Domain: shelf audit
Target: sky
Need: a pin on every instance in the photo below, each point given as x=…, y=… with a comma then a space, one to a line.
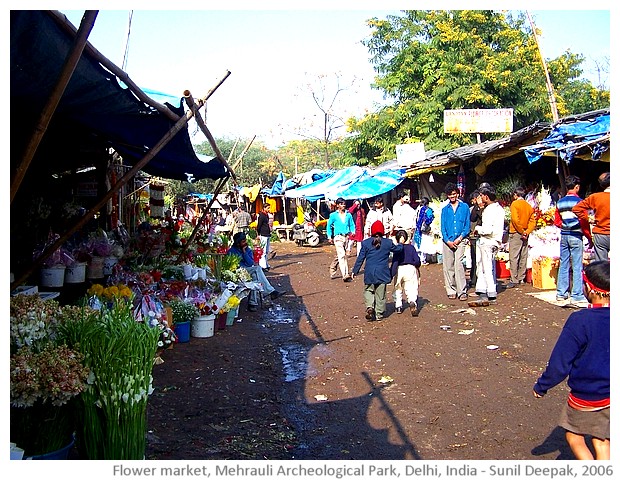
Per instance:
x=272, y=55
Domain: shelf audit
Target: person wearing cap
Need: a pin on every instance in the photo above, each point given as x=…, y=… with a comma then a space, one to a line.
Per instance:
x=404, y=216
x=582, y=353
x=381, y=214
x=340, y=226
x=241, y=249
x=377, y=274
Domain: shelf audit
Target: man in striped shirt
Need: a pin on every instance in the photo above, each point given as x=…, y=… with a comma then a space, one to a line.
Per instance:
x=571, y=245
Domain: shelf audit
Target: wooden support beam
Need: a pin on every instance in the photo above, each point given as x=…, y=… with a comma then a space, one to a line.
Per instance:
x=120, y=183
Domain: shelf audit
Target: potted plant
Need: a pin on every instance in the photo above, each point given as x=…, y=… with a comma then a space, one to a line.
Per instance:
x=182, y=314
x=46, y=377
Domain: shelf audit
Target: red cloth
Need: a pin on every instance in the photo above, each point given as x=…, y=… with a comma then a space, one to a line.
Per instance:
x=359, y=217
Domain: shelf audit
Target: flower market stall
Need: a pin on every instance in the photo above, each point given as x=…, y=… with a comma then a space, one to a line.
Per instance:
x=104, y=347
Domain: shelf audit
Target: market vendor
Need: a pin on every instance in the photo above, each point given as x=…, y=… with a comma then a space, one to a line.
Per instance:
x=241, y=248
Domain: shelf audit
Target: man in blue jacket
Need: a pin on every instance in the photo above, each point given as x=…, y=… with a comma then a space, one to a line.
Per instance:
x=241, y=249
x=454, y=229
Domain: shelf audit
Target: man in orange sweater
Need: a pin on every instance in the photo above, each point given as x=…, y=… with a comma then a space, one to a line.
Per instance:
x=599, y=203
x=522, y=223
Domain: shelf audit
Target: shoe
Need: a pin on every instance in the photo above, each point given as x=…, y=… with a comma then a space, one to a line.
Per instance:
x=399, y=310
x=474, y=295
x=347, y=279
x=414, y=310
x=370, y=314
x=266, y=269
x=560, y=298
x=252, y=308
x=463, y=297
x=579, y=304
x=333, y=276
x=275, y=294
x=510, y=285
x=492, y=300
x=481, y=302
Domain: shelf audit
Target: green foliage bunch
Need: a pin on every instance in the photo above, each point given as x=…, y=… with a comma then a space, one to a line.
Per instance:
x=119, y=351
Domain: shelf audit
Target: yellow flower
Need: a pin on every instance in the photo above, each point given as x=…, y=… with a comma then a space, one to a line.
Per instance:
x=96, y=289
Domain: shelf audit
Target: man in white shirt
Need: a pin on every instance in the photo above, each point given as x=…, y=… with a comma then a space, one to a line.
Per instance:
x=404, y=216
x=490, y=235
x=381, y=214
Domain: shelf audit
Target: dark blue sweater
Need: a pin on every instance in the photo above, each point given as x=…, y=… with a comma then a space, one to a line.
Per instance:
x=581, y=353
x=408, y=256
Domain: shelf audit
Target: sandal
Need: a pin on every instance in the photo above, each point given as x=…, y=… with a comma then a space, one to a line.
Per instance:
x=452, y=296
x=463, y=297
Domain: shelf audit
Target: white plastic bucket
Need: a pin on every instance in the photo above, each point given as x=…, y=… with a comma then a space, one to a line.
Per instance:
x=76, y=273
x=53, y=277
x=187, y=271
x=95, y=268
x=108, y=265
x=203, y=326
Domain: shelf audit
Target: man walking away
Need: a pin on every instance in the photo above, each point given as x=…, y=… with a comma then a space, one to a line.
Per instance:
x=522, y=223
x=571, y=245
x=599, y=204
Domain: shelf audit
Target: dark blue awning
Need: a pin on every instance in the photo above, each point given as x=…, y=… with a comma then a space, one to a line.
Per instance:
x=95, y=106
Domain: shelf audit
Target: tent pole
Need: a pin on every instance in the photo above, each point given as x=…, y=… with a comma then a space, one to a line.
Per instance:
x=68, y=68
x=119, y=184
x=203, y=126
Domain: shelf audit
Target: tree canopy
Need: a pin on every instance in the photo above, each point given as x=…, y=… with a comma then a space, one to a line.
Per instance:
x=431, y=61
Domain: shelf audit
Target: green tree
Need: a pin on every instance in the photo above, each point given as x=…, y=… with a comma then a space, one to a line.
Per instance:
x=431, y=61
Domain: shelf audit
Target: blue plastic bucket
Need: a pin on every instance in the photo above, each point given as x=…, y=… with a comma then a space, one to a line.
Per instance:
x=182, y=331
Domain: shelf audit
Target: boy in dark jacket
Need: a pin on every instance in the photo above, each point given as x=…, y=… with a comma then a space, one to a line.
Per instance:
x=581, y=353
x=406, y=272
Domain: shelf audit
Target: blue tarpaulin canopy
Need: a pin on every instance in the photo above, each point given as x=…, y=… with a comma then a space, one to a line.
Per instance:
x=277, y=188
x=574, y=136
x=350, y=183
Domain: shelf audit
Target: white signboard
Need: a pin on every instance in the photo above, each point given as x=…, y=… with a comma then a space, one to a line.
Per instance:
x=477, y=120
x=409, y=153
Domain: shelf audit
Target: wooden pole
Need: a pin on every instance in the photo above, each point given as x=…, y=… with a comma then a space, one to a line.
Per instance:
x=122, y=181
x=550, y=93
x=203, y=126
x=68, y=68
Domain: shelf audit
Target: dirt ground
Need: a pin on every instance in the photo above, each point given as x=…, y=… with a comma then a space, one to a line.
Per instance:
x=309, y=378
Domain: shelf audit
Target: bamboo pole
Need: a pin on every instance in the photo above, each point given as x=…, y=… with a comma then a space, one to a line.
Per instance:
x=203, y=126
x=92, y=51
x=122, y=181
x=68, y=68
